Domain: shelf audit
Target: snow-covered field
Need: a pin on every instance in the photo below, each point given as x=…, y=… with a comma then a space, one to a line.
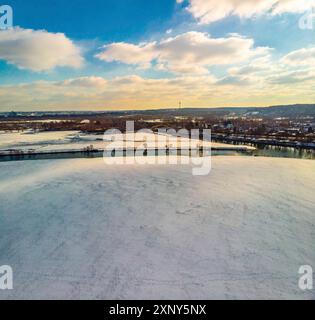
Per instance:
x=80, y=229
x=74, y=140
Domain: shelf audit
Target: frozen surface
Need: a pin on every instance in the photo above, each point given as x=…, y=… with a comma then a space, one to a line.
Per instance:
x=74, y=140
x=80, y=229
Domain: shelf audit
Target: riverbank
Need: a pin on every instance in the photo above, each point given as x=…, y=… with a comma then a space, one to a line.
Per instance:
x=73, y=144
x=262, y=142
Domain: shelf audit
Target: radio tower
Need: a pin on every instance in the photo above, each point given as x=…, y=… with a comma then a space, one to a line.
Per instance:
x=179, y=108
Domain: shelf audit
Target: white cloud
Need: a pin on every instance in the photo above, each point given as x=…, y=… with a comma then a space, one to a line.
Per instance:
x=244, y=87
x=295, y=67
x=191, y=52
x=128, y=53
x=207, y=11
x=301, y=57
x=292, y=6
x=259, y=80
x=85, y=82
x=96, y=92
x=292, y=77
x=38, y=50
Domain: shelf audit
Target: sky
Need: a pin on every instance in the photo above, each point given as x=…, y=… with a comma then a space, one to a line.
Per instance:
x=141, y=54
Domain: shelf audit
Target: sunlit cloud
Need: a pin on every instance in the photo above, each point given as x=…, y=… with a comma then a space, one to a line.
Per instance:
x=301, y=57
x=279, y=85
x=38, y=50
x=188, y=53
x=207, y=11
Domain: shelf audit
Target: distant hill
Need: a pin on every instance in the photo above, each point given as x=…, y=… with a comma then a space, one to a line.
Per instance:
x=297, y=110
x=291, y=111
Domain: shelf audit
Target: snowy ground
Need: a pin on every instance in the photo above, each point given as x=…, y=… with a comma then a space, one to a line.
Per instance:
x=79, y=229
x=74, y=140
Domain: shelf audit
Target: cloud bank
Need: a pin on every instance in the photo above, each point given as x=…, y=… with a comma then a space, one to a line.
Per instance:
x=191, y=52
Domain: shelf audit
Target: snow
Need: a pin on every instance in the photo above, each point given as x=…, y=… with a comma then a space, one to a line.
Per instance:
x=17, y=140
x=80, y=229
x=74, y=140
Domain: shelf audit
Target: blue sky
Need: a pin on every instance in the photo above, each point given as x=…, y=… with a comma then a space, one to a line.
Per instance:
x=98, y=22
x=110, y=20
x=150, y=43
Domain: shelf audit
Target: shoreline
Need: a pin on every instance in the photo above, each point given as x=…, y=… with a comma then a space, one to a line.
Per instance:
x=265, y=143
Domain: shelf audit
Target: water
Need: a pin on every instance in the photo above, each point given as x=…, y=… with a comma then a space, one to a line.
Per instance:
x=279, y=152
x=262, y=151
x=51, y=138
x=284, y=152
